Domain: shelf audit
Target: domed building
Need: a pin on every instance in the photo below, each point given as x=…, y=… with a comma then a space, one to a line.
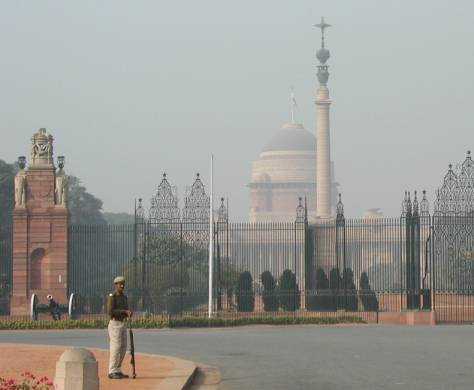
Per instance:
x=293, y=165
x=284, y=172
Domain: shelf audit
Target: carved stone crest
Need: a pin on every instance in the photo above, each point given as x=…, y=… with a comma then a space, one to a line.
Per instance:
x=41, y=149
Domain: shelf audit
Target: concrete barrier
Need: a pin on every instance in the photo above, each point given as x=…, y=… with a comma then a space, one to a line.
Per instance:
x=77, y=369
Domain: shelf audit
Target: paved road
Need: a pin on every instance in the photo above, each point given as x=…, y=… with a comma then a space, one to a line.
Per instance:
x=307, y=357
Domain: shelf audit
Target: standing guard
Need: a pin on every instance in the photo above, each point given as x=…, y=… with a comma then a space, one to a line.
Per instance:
x=117, y=307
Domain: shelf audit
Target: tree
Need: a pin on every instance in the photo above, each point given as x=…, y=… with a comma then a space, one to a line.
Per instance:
x=226, y=276
x=288, y=291
x=165, y=247
x=4, y=294
x=244, y=292
x=166, y=284
x=7, y=174
x=119, y=218
x=269, y=296
x=7, y=192
x=84, y=208
x=176, y=271
x=366, y=295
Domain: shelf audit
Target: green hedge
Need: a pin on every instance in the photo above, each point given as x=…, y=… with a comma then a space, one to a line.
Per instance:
x=182, y=322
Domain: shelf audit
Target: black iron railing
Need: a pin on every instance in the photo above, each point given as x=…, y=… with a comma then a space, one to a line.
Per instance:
x=357, y=266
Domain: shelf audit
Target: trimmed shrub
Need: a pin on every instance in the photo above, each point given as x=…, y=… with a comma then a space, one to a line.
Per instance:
x=269, y=297
x=244, y=292
x=335, y=284
x=179, y=322
x=320, y=300
x=288, y=291
x=190, y=322
x=350, y=291
x=366, y=295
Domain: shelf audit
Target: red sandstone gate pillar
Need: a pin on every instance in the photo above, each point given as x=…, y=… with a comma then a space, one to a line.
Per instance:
x=40, y=224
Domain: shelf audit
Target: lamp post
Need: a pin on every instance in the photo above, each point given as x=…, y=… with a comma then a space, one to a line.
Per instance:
x=61, y=161
x=22, y=162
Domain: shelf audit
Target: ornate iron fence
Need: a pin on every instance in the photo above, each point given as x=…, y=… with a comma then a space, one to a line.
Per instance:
x=166, y=265
x=359, y=266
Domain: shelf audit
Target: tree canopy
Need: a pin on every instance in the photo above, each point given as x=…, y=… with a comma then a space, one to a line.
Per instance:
x=84, y=208
x=119, y=218
x=7, y=190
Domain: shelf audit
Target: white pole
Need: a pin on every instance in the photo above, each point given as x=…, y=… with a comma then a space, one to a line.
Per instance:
x=211, y=236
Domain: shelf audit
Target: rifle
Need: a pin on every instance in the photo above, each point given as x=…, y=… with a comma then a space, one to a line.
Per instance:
x=132, y=349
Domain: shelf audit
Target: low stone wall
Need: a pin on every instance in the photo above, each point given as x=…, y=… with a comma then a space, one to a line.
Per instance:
x=407, y=318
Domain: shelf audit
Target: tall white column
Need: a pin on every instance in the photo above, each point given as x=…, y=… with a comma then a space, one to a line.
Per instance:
x=323, y=154
x=323, y=136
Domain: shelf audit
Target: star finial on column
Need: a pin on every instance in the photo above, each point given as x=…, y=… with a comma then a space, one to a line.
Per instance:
x=323, y=25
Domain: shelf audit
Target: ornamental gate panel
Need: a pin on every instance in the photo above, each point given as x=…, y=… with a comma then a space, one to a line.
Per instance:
x=170, y=274
x=452, y=257
x=451, y=252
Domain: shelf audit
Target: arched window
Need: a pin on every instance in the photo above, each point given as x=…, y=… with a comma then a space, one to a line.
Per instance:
x=36, y=260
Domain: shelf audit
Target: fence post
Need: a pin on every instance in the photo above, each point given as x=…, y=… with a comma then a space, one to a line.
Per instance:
x=408, y=253
x=308, y=264
x=433, y=265
x=144, y=240
x=416, y=254
x=341, y=248
x=412, y=251
x=218, y=282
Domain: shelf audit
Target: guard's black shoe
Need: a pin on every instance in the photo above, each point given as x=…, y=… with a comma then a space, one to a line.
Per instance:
x=115, y=375
x=124, y=375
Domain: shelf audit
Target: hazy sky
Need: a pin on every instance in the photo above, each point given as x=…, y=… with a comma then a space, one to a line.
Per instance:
x=131, y=89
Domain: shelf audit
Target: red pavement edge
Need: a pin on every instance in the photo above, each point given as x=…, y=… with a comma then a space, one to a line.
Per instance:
x=153, y=371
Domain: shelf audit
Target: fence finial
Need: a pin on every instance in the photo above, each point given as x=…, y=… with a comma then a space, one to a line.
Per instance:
x=405, y=205
x=139, y=211
x=305, y=210
x=424, y=206
x=340, y=208
x=409, y=204
x=300, y=211
x=222, y=214
x=416, y=208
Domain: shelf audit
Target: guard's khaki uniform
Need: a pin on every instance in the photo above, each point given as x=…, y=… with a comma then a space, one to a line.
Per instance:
x=117, y=305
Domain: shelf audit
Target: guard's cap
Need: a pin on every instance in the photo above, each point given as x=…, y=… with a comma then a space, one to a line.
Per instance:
x=119, y=279
x=49, y=297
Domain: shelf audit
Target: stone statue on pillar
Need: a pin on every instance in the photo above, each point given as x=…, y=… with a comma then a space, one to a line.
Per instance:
x=41, y=149
x=61, y=184
x=61, y=190
x=20, y=183
x=20, y=189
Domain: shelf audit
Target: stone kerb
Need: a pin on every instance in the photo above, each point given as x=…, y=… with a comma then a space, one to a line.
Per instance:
x=77, y=369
